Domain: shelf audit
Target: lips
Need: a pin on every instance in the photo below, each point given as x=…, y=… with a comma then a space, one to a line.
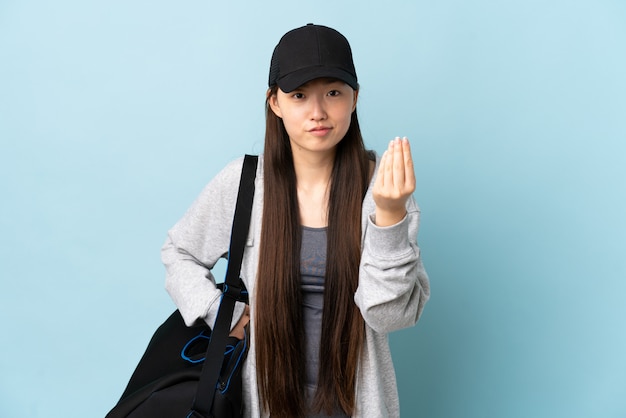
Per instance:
x=320, y=130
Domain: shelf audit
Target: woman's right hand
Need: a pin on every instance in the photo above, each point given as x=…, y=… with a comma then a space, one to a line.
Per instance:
x=238, y=331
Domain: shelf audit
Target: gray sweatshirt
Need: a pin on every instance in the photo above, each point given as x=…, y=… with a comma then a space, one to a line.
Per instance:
x=393, y=285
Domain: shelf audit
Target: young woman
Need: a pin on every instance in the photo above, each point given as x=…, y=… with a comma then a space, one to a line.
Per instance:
x=331, y=264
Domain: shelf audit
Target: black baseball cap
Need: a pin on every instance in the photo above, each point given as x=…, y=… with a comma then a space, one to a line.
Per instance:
x=310, y=52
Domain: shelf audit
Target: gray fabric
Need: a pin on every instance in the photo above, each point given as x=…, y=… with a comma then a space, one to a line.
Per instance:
x=313, y=271
x=393, y=285
x=313, y=280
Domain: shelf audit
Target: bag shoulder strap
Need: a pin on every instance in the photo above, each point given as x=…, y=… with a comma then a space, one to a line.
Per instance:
x=207, y=385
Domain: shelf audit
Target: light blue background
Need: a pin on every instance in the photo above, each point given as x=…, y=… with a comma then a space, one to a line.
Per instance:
x=113, y=116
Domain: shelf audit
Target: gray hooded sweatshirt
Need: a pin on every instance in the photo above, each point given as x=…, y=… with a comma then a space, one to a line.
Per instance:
x=393, y=285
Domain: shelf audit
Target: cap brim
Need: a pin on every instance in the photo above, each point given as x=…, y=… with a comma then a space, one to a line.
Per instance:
x=297, y=78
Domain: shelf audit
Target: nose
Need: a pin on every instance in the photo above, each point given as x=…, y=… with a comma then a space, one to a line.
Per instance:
x=318, y=110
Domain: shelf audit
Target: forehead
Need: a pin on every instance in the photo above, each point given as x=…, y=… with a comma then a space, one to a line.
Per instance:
x=323, y=82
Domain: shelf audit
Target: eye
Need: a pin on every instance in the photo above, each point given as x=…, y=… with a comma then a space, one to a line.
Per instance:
x=298, y=95
x=334, y=93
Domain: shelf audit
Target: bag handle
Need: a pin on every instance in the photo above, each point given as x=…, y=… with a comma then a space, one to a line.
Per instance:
x=207, y=385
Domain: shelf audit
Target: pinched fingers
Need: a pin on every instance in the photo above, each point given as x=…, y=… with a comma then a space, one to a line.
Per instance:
x=395, y=182
x=396, y=176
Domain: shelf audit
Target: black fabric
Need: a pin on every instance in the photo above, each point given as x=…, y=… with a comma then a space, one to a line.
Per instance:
x=172, y=379
x=164, y=384
x=309, y=52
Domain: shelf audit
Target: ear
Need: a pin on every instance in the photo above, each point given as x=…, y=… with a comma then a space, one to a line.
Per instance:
x=356, y=96
x=272, y=100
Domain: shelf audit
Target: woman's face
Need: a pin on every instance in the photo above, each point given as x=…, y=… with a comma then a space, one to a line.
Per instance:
x=316, y=115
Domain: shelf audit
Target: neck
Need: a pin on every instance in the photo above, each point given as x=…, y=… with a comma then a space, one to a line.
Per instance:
x=313, y=180
x=313, y=171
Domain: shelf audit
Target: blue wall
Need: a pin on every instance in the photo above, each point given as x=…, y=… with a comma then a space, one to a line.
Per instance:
x=113, y=115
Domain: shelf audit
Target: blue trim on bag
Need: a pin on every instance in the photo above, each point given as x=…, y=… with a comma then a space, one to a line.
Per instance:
x=229, y=348
x=225, y=289
x=185, y=356
x=239, y=359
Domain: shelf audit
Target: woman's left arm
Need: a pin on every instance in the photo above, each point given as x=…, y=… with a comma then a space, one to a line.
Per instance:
x=393, y=285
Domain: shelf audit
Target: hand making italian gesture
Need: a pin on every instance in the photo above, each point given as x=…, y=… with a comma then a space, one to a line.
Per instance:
x=395, y=183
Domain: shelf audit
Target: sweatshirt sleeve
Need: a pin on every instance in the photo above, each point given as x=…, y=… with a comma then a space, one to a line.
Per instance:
x=393, y=285
x=195, y=244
